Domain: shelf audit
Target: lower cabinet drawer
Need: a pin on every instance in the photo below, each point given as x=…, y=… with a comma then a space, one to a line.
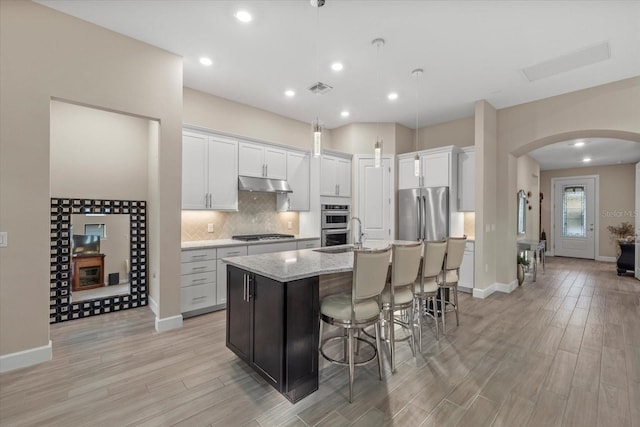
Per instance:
x=308, y=244
x=197, y=267
x=198, y=296
x=198, y=279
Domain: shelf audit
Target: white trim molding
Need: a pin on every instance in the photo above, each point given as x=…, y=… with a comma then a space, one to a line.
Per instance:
x=606, y=258
x=506, y=288
x=22, y=359
x=153, y=305
x=168, y=323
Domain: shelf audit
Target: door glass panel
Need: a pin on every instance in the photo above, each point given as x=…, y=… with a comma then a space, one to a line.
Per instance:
x=574, y=207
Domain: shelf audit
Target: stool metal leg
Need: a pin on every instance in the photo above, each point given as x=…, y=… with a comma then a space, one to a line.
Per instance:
x=455, y=298
x=392, y=340
x=378, y=350
x=443, y=308
x=351, y=364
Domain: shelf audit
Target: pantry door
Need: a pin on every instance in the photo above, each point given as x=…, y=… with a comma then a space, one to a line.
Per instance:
x=574, y=208
x=374, y=197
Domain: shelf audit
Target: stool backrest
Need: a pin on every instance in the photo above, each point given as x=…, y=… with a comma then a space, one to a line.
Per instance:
x=405, y=264
x=370, y=269
x=455, y=252
x=433, y=258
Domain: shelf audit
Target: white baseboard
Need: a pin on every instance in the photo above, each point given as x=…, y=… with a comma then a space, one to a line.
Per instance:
x=168, y=323
x=506, y=288
x=22, y=359
x=606, y=258
x=153, y=305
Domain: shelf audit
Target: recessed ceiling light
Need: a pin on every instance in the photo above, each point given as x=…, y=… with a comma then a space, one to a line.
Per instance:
x=579, y=144
x=289, y=93
x=392, y=96
x=243, y=16
x=344, y=113
x=586, y=159
x=337, y=66
x=206, y=61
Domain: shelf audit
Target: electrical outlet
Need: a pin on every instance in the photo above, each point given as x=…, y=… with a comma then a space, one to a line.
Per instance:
x=289, y=225
x=4, y=236
x=210, y=228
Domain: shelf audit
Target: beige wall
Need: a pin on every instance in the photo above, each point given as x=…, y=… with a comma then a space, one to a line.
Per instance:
x=405, y=139
x=223, y=115
x=97, y=154
x=360, y=138
x=460, y=133
x=617, y=199
x=528, y=179
x=43, y=55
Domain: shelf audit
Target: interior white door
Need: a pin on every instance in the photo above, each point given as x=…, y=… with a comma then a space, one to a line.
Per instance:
x=637, y=221
x=574, y=217
x=374, y=198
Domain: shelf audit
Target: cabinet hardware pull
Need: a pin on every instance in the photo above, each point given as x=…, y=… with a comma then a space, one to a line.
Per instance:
x=233, y=253
x=202, y=279
x=249, y=280
x=199, y=268
x=266, y=170
x=198, y=298
x=199, y=256
x=244, y=287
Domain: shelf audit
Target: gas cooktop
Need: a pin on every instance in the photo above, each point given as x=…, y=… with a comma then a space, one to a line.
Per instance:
x=259, y=237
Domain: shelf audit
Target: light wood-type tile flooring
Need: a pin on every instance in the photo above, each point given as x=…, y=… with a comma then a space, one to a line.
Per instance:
x=564, y=351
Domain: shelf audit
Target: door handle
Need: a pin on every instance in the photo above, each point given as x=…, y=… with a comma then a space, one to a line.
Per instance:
x=244, y=287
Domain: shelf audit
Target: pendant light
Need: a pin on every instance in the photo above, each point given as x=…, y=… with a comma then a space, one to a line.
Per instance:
x=416, y=162
x=316, y=125
x=377, y=147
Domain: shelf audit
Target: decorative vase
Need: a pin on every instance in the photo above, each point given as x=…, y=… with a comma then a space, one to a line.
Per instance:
x=520, y=274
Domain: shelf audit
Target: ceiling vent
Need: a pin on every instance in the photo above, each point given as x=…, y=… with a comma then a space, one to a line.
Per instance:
x=320, y=88
x=568, y=62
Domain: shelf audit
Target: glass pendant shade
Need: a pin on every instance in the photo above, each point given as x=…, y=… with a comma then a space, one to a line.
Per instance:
x=416, y=165
x=317, y=139
x=377, y=153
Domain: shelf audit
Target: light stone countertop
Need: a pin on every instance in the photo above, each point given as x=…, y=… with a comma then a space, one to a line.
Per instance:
x=220, y=243
x=294, y=265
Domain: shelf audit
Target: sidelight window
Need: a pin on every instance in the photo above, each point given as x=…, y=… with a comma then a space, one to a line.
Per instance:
x=574, y=208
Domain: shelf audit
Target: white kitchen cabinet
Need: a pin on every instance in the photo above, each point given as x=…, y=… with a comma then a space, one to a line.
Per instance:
x=298, y=179
x=335, y=176
x=198, y=279
x=435, y=169
x=226, y=252
x=262, y=161
x=209, y=172
x=466, y=281
x=466, y=180
x=407, y=177
x=308, y=244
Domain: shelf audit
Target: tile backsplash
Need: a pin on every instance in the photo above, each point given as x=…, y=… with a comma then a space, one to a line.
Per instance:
x=256, y=214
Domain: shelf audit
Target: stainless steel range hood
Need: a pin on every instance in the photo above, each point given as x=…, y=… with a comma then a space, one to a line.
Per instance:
x=263, y=185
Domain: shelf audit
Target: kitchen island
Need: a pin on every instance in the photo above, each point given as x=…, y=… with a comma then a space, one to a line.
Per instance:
x=273, y=312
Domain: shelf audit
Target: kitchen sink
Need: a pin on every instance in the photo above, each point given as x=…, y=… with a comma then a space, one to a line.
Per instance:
x=336, y=250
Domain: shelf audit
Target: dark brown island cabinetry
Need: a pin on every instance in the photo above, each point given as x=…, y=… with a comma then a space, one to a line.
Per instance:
x=273, y=326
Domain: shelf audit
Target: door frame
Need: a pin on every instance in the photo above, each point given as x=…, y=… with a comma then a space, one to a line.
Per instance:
x=355, y=193
x=596, y=220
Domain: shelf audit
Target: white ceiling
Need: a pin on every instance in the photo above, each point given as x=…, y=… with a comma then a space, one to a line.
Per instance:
x=469, y=51
x=601, y=151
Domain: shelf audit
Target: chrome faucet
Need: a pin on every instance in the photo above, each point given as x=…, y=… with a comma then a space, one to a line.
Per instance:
x=357, y=242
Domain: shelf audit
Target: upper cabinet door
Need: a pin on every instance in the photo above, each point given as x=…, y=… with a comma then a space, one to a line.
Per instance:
x=223, y=173
x=435, y=169
x=344, y=177
x=406, y=174
x=194, y=171
x=251, y=160
x=329, y=169
x=275, y=160
x=298, y=178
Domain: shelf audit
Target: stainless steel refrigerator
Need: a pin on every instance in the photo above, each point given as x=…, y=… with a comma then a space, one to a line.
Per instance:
x=423, y=213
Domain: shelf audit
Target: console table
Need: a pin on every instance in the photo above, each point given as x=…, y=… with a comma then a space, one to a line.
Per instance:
x=626, y=260
x=537, y=247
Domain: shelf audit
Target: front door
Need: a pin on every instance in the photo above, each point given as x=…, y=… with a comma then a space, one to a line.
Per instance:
x=574, y=217
x=374, y=198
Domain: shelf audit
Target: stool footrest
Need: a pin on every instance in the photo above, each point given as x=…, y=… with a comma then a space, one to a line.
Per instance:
x=345, y=362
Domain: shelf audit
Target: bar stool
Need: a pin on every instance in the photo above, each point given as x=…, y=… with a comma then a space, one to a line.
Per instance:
x=398, y=295
x=359, y=309
x=426, y=290
x=449, y=280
